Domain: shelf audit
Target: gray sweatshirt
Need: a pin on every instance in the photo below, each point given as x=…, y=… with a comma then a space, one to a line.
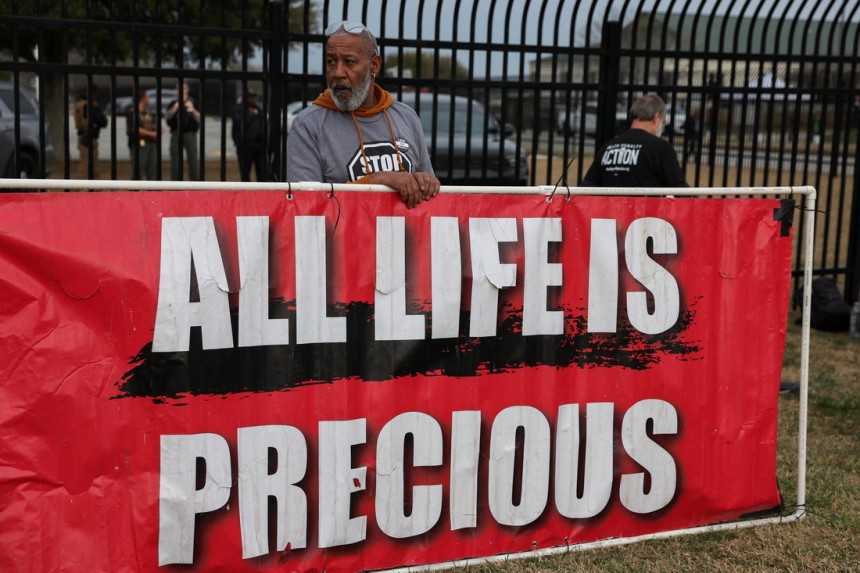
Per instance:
x=324, y=145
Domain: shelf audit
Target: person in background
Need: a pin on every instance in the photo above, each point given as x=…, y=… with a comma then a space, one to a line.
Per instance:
x=143, y=130
x=183, y=119
x=248, y=137
x=692, y=133
x=89, y=121
x=355, y=131
x=639, y=157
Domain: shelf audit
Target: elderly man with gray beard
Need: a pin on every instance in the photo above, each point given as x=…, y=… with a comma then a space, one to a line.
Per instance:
x=355, y=132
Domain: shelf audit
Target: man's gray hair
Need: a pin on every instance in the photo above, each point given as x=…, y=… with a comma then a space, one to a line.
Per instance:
x=647, y=106
x=370, y=39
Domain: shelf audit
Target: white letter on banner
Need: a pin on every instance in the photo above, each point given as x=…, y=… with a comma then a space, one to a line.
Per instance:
x=447, y=276
x=391, y=321
x=338, y=481
x=257, y=484
x=652, y=276
x=597, y=477
x=603, y=277
x=657, y=461
x=255, y=326
x=180, y=500
x=535, y=476
x=540, y=274
x=187, y=242
x=426, y=500
x=312, y=324
x=488, y=274
x=465, y=454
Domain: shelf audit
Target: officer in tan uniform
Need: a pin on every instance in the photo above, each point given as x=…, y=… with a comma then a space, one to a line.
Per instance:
x=143, y=128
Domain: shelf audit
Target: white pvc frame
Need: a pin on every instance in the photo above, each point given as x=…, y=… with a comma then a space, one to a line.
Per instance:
x=551, y=192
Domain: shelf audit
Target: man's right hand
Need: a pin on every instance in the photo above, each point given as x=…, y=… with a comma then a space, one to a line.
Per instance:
x=402, y=182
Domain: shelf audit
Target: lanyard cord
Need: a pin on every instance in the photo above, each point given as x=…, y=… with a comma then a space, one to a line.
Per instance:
x=393, y=140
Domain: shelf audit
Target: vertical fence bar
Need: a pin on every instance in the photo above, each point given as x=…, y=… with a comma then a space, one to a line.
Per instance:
x=275, y=105
x=112, y=93
x=201, y=91
x=43, y=125
x=610, y=72
x=852, y=276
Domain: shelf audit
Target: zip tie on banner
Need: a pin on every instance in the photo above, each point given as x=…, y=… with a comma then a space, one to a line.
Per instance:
x=562, y=178
x=336, y=200
x=554, y=189
x=289, y=191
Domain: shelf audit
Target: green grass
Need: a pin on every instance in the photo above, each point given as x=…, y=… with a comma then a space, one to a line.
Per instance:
x=826, y=540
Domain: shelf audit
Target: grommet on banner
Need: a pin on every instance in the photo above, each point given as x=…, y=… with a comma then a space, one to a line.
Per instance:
x=289, y=191
x=551, y=195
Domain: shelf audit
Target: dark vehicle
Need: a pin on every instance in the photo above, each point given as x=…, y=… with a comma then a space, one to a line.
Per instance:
x=124, y=104
x=461, y=158
x=29, y=153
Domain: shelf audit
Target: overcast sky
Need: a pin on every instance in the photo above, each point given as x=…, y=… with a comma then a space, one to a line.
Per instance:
x=563, y=21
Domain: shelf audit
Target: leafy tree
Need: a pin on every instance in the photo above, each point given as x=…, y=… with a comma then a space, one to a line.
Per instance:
x=146, y=34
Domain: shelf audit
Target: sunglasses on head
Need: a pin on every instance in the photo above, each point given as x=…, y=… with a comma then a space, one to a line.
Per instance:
x=348, y=27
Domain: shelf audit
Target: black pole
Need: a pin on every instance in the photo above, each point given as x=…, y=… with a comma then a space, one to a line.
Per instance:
x=852, y=277
x=275, y=107
x=610, y=75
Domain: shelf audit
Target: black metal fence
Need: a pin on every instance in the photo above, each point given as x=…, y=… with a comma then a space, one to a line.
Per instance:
x=761, y=92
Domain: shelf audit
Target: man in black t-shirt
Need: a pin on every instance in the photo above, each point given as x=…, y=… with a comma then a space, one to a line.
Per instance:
x=639, y=157
x=248, y=137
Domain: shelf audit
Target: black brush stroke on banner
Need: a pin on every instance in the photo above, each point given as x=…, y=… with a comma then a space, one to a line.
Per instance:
x=284, y=367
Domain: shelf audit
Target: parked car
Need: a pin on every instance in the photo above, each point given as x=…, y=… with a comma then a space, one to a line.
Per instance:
x=293, y=109
x=458, y=158
x=123, y=104
x=30, y=161
x=569, y=121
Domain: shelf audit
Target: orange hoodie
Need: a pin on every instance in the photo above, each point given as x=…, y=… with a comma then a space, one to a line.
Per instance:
x=384, y=100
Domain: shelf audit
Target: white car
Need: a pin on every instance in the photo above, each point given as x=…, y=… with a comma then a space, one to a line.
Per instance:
x=293, y=109
x=567, y=123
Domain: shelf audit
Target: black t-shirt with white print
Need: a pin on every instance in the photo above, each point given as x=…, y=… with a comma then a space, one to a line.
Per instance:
x=635, y=158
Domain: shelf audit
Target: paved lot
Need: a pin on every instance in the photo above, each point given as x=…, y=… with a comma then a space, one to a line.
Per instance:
x=211, y=143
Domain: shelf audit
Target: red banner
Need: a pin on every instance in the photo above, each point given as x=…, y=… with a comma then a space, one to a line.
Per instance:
x=255, y=382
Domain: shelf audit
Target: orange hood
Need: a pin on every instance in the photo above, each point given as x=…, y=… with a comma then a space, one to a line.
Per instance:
x=384, y=100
